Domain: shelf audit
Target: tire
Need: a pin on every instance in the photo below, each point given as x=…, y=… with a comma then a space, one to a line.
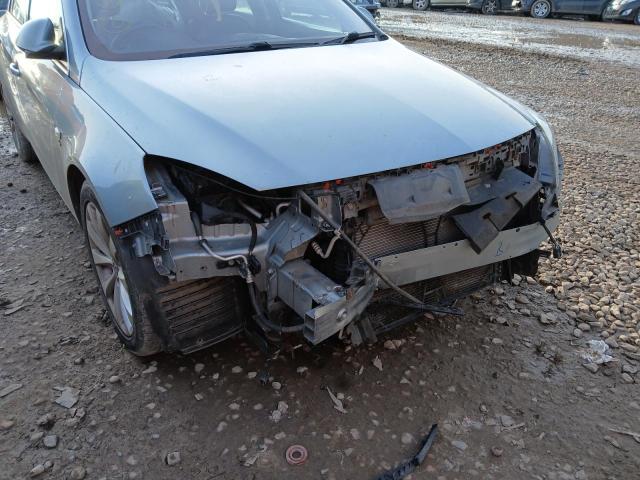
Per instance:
x=127, y=283
x=636, y=19
x=421, y=5
x=490, y=7
x=393, y=3
x=24, y=148
x=541, y=9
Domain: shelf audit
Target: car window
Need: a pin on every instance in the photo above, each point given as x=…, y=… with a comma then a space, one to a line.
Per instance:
x=3, y=4
x=19, y=9
x=152, y=29
x=310, y=13
x=51, y=9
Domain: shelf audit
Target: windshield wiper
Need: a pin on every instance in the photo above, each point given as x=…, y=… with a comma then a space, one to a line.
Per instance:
x=251, y=47
x=350, y=38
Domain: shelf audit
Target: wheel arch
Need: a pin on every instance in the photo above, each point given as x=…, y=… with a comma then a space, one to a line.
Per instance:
x=75, y=179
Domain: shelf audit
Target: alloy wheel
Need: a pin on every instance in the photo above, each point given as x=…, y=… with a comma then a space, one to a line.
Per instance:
x=109, y=269
x=420, y=4
x=490, y=7
x=541, y=9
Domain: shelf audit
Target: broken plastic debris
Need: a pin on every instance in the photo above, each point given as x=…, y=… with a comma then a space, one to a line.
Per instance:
x=337, y=404
x=597, y=352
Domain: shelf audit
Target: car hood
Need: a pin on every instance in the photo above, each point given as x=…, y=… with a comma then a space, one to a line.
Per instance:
x=290, y=117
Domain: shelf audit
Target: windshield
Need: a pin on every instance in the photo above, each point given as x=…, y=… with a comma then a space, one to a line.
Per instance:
x=153, y=29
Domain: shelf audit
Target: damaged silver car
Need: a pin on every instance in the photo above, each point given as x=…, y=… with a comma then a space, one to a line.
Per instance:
x=251, y=165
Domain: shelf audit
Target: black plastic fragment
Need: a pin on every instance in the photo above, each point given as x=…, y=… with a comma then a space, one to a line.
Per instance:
x=409, y=467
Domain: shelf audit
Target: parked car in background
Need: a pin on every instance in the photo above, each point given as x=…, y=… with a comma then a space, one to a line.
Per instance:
x=371, y=6
x=545, y=8
x=627, y=10
x=488, y=7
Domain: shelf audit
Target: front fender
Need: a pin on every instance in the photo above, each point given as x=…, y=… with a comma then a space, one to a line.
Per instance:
x=108, y=158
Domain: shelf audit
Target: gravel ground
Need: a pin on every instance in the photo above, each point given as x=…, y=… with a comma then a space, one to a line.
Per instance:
x=506, y=383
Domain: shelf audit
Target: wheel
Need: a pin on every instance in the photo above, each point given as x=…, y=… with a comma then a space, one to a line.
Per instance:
x=393, y=3
x=490, y=7
x=119, y=275
x=421, y=5
x=24, y=148
x=541, y=9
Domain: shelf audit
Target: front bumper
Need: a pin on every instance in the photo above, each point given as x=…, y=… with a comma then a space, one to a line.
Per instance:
x=427, y=263
x=619, y=12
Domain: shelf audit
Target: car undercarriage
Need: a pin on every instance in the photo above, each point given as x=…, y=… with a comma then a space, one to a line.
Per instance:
x=355, y=256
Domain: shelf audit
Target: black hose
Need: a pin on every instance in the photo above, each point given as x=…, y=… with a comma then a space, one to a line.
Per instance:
x=264, y=321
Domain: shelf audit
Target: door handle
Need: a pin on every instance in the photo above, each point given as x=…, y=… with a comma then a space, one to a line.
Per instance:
x=14, y=69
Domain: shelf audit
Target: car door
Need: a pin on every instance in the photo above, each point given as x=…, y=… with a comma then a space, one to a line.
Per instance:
x=13, y=89
x=568, y=6
x=593, y=7
x=43, y=85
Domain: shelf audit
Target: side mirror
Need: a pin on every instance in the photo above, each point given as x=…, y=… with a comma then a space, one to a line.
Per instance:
x=37, y=39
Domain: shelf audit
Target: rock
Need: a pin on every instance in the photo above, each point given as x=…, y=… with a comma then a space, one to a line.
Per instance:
x=377, y=363
x=68, y=398
x=276, y=385
x=114, y=379
x=46, y=421
x=172, y=458
x=577, y=332
x=544, y=319
x=50, y=441
x=459, y=444
x=301, y=370
x=389, y=345
x=6, y=424
x=279, y=412
x=507, y=421
x=630, y=369
x=78, y=473
x=592, y=367
x=612, y=342
x=236, y=369
x=131, y=461
x=199, y=397
x=626, y=378
x=522, y=299
x=221, y=427
x=497, y=451
x=234, y=406
x=150, y=369
x=585, y=327
x=407, y=439
x=37, y=470
x=198, y=368
x=10, y=389
x=497, y=341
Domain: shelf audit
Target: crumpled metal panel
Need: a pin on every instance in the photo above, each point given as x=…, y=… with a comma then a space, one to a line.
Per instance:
x=421, y=195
